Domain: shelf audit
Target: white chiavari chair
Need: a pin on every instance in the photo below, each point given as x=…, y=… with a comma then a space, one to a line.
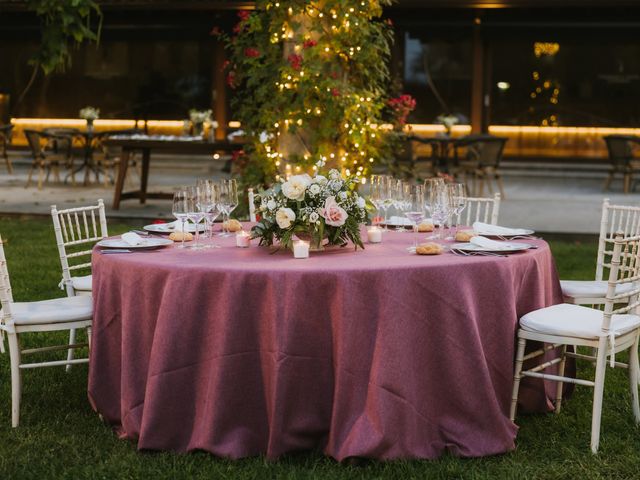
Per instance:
x=607, y=332
x=18, y=318
x=615, y=218
x=77, y=229
x=484, y=210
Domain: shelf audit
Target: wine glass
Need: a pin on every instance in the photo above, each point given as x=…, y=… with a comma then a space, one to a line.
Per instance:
x=386, y=197
x=180, y=208
x=228, y=201
x=431, y=184
x=209, y=197
x=440, y=203
x=414, y=201
x=376, y=196
x=458, y=194
x=195, y=213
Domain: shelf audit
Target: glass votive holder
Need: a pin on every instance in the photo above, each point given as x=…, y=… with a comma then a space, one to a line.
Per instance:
x=300, y=249
x=374, y=234
x=243, y=239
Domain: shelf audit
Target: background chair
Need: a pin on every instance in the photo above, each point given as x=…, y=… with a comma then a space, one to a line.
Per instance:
x=615, y=219
x=75, y=228
x=484, y=210
x=18, y=318
x=480, y=162
x=5, y=140
x=608, y=332
x=620, y=148
x=49, y=151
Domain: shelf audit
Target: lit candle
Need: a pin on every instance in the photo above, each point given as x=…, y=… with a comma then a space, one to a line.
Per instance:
x=242, y=239
x=374, y=234
x=300, y=249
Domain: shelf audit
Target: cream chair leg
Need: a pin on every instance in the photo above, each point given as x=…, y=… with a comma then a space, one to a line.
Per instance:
x=516, y=378
x=72, y=340
x=500, y=185
x=559, y=385
x=633, y=378
x=16, y=380
x=2, y=350
x=601, y=365
x=89, y=337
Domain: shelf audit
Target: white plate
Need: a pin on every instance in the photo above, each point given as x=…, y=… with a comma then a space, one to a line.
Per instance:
x=524, y=232
x=506, y=248
x=146, y=243
x=168, y=227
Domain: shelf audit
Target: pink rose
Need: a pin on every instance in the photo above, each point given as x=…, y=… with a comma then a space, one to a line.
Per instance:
x=333, y=213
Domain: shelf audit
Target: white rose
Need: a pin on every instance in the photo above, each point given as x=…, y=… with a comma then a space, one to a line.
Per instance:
x=314, y=217
x=271, y=204
x=361, y=202
x=343, y=195
x=321, y=179
x=284, y=217
x=314, y=189
x=295, y=187
x=334, y=174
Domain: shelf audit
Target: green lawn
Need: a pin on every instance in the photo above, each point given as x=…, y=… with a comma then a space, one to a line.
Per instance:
x=61, y=437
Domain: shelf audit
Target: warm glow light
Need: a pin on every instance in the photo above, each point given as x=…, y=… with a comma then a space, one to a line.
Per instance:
x=503, y=85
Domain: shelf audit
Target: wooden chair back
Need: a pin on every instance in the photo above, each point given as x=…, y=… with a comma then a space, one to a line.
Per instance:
x=625, y=268
x=623, y=219
x=484, y=210
x=76, y=227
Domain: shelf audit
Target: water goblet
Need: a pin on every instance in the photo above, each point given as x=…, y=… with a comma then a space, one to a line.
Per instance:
x=195, y=214
x=415, y=207
x=180, y=208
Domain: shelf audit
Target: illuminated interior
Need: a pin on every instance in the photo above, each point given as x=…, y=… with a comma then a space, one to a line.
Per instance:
x=524, y=141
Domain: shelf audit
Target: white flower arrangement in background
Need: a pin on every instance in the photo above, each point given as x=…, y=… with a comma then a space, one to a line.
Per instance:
x=89, y=113
x=200, y=116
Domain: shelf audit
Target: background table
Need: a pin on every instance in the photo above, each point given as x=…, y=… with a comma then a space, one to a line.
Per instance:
x=375, y=353
x=129, y=145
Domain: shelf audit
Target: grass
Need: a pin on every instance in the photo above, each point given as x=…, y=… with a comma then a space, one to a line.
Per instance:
x=61, y=437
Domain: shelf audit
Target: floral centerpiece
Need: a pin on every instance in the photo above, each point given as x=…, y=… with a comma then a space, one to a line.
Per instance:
x=198, y=117
x=89, y=114
x=315, y=208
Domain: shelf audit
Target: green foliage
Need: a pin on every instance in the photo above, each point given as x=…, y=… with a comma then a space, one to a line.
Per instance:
x=63, y=22
x=311, y=83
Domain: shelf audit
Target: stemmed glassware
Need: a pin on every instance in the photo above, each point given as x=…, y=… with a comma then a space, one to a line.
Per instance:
x=195, y=213
x=440, y=202
x=414, y=202
x=386, y=194
x=458, y=194
x=209, y=198
x=430, y=186
x=180, y=208
x=228, y=201
x=376, y=195
x=399, y=197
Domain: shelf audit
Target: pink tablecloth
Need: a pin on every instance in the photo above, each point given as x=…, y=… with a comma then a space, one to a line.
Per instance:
x=375, y=353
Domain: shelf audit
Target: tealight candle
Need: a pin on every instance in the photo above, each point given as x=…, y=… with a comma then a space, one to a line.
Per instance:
x=374, y=234
x=300, y=249
x=242, y=239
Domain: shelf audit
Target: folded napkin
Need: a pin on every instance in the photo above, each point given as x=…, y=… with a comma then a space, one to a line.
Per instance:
x=489, y=229
x=131, y=238
x=488, y=243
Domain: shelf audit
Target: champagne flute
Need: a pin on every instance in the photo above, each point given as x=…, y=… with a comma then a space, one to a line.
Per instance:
x=376, y=196
x=431, y=184
x=195, y=214
x=458, y=193
x=440, y=208
x=386, y=197
x=180, y=209
x=414, y=201
x=209, y=193
x=399, y=196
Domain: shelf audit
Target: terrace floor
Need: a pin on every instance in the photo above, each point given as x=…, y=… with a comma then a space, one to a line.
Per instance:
x=547, y=199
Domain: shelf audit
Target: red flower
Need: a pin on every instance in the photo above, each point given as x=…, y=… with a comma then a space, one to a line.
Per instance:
x=389, y=22
x=225, y=64
x=295, y=61
x=236, y=155
x=402, y=106
x=237, y=28
x=335, y=92
x=244, y=15
x=215, y=31
x=333, y=75
x=251, y=52
x=231, y=79
x=309, y=43
x=158, y=221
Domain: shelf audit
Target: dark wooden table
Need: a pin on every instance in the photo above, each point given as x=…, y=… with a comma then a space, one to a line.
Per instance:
x=146, y=145
x=443, y=149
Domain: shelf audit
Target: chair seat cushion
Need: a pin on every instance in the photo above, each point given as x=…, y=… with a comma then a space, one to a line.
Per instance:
x=569, y=320
x=68, y=309
x=82, y=283
x=590, y=288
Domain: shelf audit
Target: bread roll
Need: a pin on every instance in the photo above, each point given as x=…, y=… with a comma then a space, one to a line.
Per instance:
x=425, y=227
x=465, y=235
x=178, y=236
x=232, y=225
x=429, y=249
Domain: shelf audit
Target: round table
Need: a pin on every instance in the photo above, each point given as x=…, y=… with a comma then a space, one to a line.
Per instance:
x=377, y=353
